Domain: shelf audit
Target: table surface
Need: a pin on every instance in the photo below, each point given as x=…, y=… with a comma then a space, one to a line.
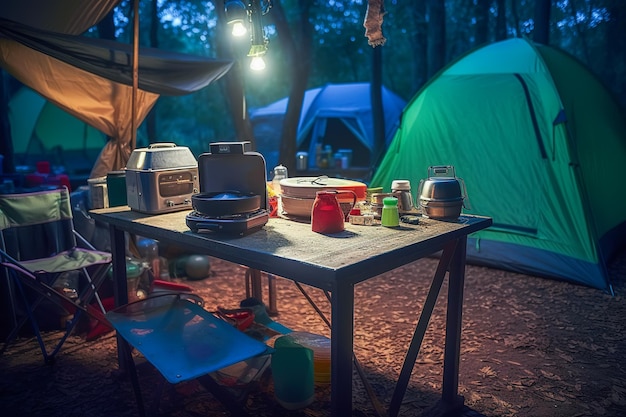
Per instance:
x=291, y=249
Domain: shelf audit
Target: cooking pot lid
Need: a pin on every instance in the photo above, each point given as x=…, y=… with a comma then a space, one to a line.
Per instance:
x=307, y=187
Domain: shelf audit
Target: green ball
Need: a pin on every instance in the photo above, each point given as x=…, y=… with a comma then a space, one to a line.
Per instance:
x=197, y=267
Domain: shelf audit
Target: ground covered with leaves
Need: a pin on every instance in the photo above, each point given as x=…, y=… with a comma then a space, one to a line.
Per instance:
x=530, y=347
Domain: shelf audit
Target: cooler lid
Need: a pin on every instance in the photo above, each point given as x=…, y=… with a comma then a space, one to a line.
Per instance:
x=159, y=156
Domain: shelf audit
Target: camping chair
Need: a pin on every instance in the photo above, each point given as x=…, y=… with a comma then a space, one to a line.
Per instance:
x=38, y=249
x=183, y=341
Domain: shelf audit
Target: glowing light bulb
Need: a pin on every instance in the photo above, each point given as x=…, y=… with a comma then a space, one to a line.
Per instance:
x=239, y=29
x=257, y=63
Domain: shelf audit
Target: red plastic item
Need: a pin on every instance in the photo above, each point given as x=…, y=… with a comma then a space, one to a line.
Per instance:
x=241, y=318
x=326, y=214
x=43, y=176
x=160, y=285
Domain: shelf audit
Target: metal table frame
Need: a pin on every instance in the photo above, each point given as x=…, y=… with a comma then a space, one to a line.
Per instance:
x=333, y=263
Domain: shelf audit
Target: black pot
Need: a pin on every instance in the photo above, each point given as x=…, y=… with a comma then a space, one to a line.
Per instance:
x=225, y=203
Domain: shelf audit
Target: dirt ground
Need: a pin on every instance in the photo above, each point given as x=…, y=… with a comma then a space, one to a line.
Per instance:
x=530, y=347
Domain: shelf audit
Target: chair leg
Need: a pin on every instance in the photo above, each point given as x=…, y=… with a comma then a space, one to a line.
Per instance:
x=94, y=285
x=18, y=324
x=131, y=369
x=230, y=402
x=30, y=316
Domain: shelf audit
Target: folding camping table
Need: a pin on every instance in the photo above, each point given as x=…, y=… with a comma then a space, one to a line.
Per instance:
x=335, y=263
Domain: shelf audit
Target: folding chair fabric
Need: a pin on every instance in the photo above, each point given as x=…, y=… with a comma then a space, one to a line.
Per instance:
x=66, y=261
x=180, y=338
x=38, y=245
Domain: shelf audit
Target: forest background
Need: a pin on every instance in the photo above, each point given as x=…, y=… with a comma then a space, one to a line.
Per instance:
x=316, y=42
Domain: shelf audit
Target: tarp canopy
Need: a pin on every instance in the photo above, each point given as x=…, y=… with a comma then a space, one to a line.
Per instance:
x=92, y=78
x=541, y=146
x=339, y=115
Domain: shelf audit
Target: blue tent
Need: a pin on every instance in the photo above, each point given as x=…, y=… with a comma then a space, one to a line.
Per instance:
x=339, y=115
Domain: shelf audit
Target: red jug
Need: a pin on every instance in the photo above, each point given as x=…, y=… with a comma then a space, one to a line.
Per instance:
x=326, y=214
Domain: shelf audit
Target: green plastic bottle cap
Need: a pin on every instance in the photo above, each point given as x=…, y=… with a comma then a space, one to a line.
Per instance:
x=390, y=201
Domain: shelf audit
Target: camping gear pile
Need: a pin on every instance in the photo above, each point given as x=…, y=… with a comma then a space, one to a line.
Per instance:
x=161, y=178
x=541, y=144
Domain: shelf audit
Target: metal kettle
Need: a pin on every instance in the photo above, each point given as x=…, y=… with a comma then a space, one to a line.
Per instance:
x=442, y=195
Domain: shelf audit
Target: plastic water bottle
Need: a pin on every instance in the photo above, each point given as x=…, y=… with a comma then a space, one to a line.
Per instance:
x=280, y=172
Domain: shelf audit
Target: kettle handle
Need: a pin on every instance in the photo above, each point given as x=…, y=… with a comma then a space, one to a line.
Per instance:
x=441, y=171
x=466, y=202
x=161, y=145
x=354, y=197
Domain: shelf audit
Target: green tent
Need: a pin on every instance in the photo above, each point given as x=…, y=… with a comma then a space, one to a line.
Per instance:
x=541, y=147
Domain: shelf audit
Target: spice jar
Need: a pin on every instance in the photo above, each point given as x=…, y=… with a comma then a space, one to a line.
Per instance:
x=390, y=216
x=402, y=190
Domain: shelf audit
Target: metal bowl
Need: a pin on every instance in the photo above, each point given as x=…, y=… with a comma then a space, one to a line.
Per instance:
x=438, y=210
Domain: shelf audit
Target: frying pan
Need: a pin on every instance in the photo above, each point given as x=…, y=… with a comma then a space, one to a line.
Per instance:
x=225, y=203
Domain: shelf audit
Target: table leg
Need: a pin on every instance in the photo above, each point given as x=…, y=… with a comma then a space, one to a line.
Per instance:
x=120, y=287
x=272, y=308
x=341, y=337
x=450, y=397
x=420, y=329
x=256, y=284
x=118, y=250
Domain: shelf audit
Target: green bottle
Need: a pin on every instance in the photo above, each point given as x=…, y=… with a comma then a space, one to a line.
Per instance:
x=390, y=216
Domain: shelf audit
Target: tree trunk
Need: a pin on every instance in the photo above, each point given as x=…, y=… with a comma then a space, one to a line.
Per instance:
x=106, y=27
x=436, y=36
x=299, y=55
x=615, y=61
x=541, y=33
x=378, y=112
x=481, y=12
x=151, y=118
x=501, y=20
x=516, y=20
x=420, y=40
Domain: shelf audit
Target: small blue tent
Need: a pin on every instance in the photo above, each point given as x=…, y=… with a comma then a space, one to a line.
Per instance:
x=339, y=115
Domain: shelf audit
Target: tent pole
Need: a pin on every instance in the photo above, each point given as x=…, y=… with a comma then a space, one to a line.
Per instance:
x=133, y=125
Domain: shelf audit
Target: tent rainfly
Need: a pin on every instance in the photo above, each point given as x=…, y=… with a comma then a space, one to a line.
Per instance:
x=541, y=146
